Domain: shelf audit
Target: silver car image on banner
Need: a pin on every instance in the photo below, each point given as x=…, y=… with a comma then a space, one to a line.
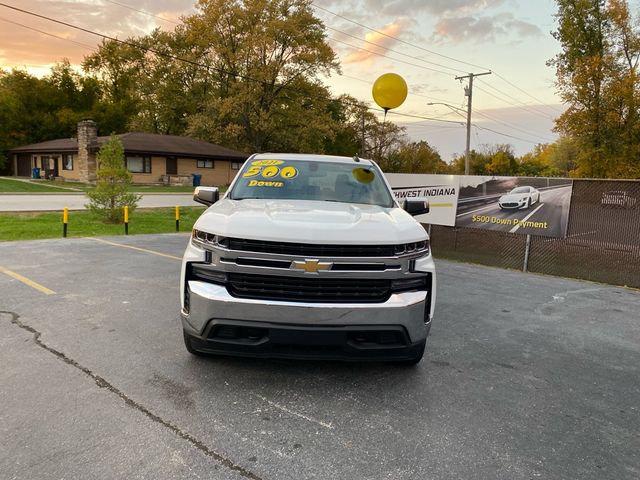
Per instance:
x=519, y=197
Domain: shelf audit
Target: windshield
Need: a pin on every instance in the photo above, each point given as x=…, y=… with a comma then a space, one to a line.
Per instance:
x=520, y=190
x=309, y=180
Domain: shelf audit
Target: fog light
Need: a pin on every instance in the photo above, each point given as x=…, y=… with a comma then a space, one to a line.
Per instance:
x=408, y=284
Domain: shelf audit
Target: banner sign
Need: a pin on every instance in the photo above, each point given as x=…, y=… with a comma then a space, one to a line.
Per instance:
x=440, y=190
x=523, y=205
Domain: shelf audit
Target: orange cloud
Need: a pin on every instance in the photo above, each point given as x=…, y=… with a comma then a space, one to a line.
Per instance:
x=381, y=40
x=36, y=43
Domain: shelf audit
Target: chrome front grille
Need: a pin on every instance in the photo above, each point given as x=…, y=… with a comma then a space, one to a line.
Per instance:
x=316, y=289
x=310, y=250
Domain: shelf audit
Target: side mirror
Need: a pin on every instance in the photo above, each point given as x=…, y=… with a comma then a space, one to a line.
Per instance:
x=416, y=206
x=206, y=195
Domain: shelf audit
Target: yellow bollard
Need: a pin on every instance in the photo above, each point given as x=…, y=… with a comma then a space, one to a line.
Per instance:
x=126, y=220
x=65, y=221
x=177, y=219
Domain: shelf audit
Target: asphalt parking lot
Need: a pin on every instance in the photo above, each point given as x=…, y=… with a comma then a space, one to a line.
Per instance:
x=524, y=377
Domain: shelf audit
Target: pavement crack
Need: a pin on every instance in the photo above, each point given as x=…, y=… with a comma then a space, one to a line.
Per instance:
x=102, y=383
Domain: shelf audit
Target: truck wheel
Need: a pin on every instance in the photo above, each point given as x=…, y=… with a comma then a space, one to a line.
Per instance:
x=416, y=358
x=189, y=346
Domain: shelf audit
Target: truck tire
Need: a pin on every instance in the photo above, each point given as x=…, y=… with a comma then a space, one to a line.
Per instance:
x=189, y=346
x=416, y=358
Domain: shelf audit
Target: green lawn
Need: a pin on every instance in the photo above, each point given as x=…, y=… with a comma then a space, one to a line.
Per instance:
x=28, y=226
x=10, y=186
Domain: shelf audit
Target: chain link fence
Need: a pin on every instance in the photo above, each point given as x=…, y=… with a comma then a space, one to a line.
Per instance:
x=602, y=243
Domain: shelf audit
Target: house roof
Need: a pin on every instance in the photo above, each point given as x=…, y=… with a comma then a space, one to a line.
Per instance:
x=142, y=143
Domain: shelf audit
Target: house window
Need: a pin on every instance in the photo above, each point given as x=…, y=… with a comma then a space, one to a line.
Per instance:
x=205, y=163
x=67, y=162
x=139, y=164
x=44, y=162
x=236, y=165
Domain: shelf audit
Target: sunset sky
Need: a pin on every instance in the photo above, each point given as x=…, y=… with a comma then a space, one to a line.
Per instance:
x=428, y=42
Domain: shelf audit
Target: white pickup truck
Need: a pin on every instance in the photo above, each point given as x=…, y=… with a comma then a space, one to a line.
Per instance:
x=308, y=256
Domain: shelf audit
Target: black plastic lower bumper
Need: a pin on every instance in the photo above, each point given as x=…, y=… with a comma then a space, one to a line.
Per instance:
x=268, y=340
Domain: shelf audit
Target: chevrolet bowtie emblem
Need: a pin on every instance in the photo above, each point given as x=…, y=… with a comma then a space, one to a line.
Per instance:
x=311, y=266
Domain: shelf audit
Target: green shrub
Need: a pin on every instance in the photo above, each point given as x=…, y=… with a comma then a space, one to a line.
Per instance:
x=113, y=186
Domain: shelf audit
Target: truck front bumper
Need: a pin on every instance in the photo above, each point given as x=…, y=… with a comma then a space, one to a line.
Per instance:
x=217, y=322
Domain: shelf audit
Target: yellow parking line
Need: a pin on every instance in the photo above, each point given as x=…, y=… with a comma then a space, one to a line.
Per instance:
x=145, y=250
x=26, y=281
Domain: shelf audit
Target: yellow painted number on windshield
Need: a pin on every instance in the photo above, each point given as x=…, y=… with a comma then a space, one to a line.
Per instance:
x=264, y=163
x=252, y=171
x=289, y=172
x=269, y=172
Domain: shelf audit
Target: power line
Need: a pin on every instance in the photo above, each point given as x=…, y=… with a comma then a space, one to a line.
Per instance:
x=391, y=50
x=514, y=101
x=46, y=33
x=391, y=58
x=410, y=115
x=478, y=112
x=149, y=14
x=421, y=125
x=147, y=49
x=505, y=134
x=131, y=44
x=396, y=38
x=493, y=119
x=429, y=51
x=191, y=62
x=525, y=92
x=142, y=11
x=368, y=82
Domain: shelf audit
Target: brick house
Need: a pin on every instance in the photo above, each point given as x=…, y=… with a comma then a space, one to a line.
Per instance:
x=150, y=158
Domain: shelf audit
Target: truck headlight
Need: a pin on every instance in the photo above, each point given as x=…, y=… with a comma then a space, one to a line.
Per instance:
x=412, y=248
x=201, y=237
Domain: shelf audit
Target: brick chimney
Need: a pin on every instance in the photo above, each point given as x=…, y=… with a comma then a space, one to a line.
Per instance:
x=87, y=144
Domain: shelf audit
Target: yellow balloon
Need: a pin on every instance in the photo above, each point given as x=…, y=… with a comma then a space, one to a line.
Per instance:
x=389, y=90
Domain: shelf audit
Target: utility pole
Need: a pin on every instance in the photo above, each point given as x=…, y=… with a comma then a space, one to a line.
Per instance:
x=362, y=153
x=469, y=94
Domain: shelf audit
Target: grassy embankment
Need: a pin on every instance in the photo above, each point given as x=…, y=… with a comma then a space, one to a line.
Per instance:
x=35, y=225
x=8, y=185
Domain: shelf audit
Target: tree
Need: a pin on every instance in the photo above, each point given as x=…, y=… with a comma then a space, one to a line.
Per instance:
x=564, y=157
x=266, y=57
x=121, y=71
x=346, y=113
x=556, y=159
x=537, y=163
x=112, y=192
x=38, y=109
x=503, y=160
x=355, y=128
x=489, y=160
x=242, y=73
x=597, y=78
x=414, y=157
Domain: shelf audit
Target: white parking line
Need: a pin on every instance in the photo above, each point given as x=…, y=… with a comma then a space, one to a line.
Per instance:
x=131, y=247
x=291, y=412
x=515, y=229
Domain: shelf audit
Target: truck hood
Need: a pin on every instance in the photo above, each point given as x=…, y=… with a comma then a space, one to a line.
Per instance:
x=306, y=221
